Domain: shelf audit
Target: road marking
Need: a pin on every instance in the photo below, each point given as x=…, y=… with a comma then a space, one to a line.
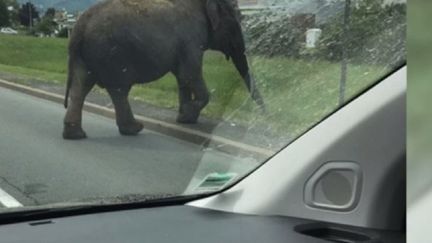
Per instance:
x=8, y=201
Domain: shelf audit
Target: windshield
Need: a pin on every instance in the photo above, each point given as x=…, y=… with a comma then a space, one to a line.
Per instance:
x=183, y=97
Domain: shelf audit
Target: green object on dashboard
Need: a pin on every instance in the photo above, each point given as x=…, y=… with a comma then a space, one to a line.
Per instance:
x=220, y=176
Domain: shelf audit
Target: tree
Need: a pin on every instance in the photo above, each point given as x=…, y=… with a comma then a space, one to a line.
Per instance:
x=4, y=14
x=63, y=33
x=50, y=13
x=13, y=8
x=46, y=26
x=27, y=14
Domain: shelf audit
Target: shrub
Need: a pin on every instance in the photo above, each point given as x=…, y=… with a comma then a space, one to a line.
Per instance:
x=271, y=33
x=376, y=34
x=46, y=26
x=63, y=33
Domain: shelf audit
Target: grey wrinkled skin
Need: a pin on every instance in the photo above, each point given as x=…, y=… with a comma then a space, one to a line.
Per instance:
x=118, y=43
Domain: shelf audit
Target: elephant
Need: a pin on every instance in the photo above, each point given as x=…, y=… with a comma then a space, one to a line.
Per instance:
x=118, y=43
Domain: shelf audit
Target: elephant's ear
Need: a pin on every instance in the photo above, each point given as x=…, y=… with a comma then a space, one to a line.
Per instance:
x=213, y=13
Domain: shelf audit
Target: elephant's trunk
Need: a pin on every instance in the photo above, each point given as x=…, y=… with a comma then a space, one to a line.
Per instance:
x=242, y=66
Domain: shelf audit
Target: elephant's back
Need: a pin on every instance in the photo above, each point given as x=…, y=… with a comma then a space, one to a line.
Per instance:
x=172, y=12
x=136, y=40
x=121, y=43
x=137, y=22
x=143, y=19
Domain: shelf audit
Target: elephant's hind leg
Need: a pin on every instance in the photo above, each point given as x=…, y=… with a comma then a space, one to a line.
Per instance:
x=79, y=89
x=126, y=122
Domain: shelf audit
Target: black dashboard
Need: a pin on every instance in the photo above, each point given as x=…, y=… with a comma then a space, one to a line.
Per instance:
x=187, y=224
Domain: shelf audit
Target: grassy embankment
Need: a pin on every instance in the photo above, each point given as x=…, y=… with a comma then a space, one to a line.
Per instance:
x=298, y=93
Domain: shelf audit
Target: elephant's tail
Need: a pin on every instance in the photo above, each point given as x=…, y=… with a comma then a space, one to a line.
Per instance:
x=68, y=86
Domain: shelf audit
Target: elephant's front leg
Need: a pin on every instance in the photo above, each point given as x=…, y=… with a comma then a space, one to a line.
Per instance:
x=193, y=97
x=185, y=98
x=126, y=122
x=193, y=93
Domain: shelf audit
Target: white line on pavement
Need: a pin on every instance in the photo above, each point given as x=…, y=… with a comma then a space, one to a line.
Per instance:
x=8, y=201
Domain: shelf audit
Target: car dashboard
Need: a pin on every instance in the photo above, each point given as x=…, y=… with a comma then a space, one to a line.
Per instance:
x=187, y=224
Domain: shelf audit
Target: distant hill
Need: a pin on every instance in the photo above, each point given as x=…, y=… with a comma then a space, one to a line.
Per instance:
x=70, y=5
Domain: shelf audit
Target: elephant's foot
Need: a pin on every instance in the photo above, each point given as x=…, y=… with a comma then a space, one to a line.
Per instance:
x=73, y=131
x=131, y=129
x=189, y=114
x=186, y=119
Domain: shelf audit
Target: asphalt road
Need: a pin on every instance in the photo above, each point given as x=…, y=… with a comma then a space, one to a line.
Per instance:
x=38, y=167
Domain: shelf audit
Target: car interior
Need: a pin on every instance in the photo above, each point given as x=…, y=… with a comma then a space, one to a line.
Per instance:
x=203, y=121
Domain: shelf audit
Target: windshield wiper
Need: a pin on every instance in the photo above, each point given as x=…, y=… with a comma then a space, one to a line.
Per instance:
x=19, y=215
x=92, y=206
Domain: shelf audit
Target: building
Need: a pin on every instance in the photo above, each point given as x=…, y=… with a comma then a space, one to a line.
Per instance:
x=64, y=20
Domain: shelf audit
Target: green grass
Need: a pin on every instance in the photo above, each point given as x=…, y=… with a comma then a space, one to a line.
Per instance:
x=48, y=54
x=297, y=93
x=40, y=75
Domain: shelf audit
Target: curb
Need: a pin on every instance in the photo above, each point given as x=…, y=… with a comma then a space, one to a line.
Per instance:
x=166, y=128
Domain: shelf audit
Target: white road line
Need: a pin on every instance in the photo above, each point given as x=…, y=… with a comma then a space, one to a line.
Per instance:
x=8, y=201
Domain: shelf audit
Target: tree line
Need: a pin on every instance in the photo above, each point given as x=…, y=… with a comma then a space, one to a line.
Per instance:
x=26, y=17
